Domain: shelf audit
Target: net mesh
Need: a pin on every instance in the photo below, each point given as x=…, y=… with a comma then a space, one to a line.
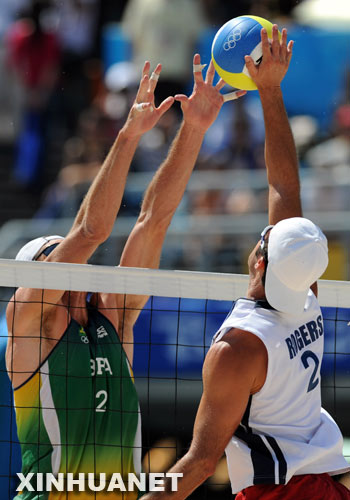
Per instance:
x=171, y=338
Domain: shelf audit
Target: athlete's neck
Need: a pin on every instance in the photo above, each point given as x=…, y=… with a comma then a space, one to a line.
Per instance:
x=256, y=290
x=76, y=305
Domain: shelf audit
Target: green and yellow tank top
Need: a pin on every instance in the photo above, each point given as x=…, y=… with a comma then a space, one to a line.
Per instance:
x=79, y=412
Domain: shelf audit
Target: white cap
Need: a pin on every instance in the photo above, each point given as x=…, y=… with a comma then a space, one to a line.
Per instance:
x=30, y=249
x=297, y=257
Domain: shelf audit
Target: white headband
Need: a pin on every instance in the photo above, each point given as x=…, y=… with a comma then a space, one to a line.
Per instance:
x=30, y=249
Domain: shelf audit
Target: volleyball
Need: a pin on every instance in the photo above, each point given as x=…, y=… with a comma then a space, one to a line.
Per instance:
x=237, y=38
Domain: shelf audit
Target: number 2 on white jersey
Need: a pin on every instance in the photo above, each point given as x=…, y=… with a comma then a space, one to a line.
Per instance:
x=313, y=383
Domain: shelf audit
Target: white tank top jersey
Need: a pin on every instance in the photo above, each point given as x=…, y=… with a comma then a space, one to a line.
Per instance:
x=284, y=431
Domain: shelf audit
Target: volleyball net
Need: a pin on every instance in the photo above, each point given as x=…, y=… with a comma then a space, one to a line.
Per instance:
x=171, y=338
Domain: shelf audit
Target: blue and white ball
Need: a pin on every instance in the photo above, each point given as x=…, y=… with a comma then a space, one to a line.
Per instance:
x=237, y=38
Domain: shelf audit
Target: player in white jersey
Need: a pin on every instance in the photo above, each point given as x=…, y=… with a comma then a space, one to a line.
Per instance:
x=261, y=398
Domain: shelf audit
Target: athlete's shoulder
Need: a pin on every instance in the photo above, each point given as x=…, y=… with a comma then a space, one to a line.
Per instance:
x=239, y=353
x=238, y=345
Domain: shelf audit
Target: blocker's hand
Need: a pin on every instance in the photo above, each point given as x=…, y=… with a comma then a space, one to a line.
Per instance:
x=275, y=61
x=144, y=115
x=202, y=107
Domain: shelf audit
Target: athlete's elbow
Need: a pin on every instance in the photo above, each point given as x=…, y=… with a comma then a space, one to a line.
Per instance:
x=155, y=222
x=93, y=233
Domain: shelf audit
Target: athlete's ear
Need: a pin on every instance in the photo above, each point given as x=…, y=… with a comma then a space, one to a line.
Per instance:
x=260, y=263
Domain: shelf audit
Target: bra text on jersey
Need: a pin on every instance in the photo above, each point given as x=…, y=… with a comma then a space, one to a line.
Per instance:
x=99, y=366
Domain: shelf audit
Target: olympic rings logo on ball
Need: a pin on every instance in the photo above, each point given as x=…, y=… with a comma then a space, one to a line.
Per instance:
x=232, y=40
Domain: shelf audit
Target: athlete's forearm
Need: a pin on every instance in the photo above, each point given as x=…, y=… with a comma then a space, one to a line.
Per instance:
x=281, y=157
x=280, y=151
x=167, y=187
x=101, y=205
x=194, y=472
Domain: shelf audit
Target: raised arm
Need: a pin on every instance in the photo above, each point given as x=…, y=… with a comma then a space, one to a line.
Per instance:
x=97, y=214
x=280, y=153
x=163, y=195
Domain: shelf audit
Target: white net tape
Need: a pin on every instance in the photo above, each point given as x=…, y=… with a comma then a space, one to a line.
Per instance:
x=162, y=283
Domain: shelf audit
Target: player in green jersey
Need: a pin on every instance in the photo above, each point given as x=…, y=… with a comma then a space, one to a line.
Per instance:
x=69, y=354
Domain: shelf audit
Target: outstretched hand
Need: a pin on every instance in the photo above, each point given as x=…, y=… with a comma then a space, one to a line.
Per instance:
x=275, y=60
x=202, y=107
x=144, y=115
